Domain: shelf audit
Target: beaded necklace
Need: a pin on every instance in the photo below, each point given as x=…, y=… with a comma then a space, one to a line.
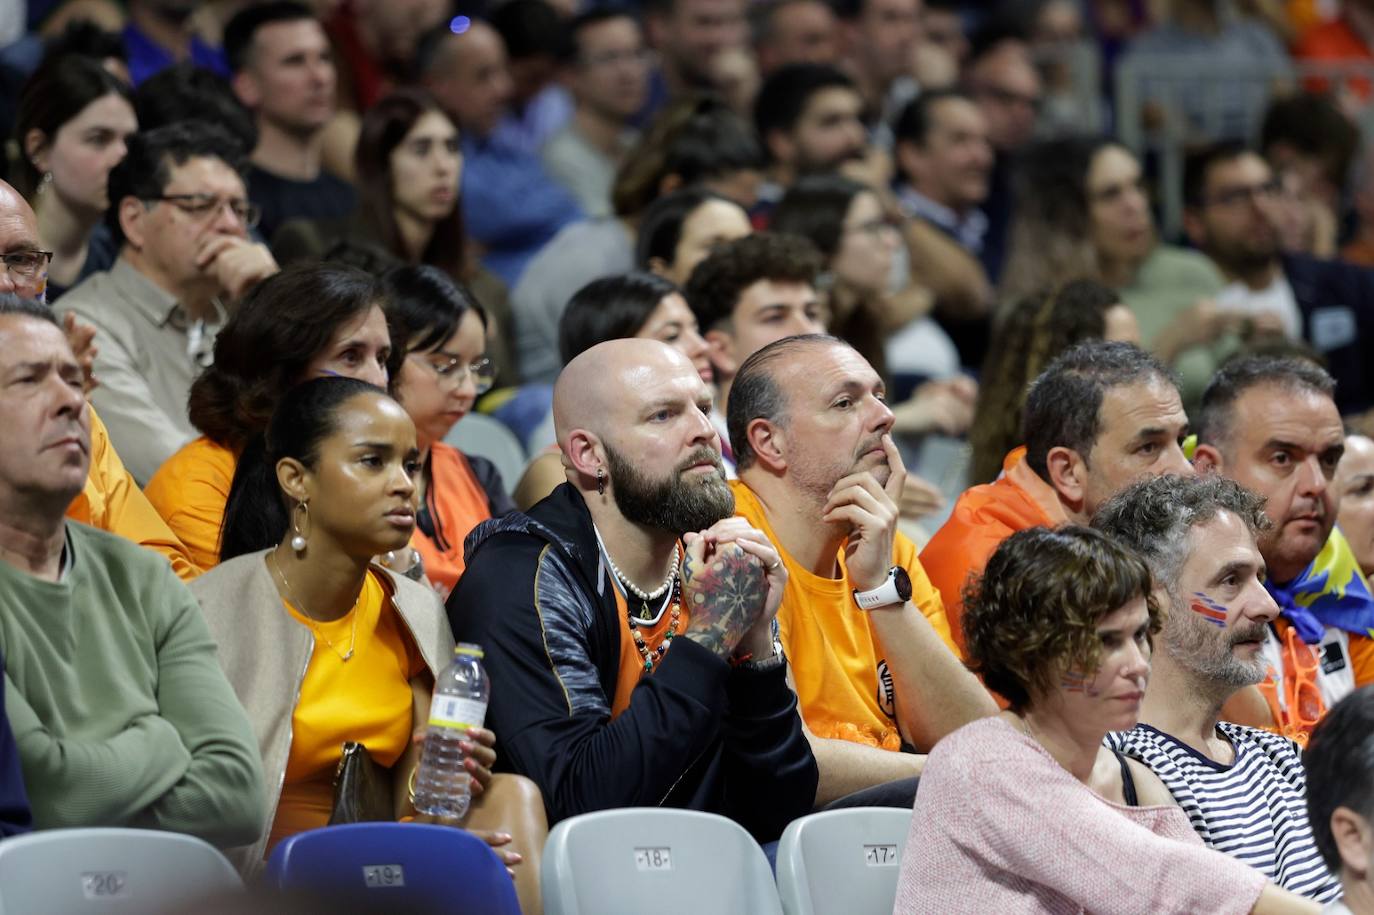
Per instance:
x=670, y=591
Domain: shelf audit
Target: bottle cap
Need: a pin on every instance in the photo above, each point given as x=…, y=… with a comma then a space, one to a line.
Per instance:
x=469, y=649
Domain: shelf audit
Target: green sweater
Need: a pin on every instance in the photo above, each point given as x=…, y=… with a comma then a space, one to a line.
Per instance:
x=119, y=708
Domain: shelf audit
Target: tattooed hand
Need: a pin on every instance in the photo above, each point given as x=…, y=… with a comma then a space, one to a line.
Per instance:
x=725, y=587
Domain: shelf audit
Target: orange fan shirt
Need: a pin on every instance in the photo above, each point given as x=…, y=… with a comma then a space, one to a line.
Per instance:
x=838, y=667
x=983, y=517
x=367, y=698
x=456, y=503
x=190, y=491
x=112, y=501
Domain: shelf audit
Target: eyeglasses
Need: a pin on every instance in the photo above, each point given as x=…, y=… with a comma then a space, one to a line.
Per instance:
x=1233, y=196
x=26, y=264
x=203, y=206
x=452, y=372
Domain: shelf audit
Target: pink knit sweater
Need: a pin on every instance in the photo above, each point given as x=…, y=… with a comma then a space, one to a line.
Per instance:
x=1000, y=826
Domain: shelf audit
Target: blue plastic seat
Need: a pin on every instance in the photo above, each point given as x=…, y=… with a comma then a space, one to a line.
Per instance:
x=402, y=864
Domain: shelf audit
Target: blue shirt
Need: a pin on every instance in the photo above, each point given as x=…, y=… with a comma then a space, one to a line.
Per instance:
x=146, y=57
x=510, y=205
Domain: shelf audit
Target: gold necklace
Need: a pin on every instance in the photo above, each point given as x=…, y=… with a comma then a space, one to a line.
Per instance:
x=314, y=627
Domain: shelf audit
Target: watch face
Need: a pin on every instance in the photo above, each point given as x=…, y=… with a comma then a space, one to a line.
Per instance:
x=903, y=582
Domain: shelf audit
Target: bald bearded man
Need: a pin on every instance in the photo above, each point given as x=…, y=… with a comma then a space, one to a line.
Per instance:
x=628, y=618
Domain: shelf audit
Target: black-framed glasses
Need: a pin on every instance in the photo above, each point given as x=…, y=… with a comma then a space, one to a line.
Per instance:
x=451, y=372
x=202, y=206
x=26, y=264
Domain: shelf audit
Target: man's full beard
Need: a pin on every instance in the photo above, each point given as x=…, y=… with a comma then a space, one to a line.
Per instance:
x=676, y=503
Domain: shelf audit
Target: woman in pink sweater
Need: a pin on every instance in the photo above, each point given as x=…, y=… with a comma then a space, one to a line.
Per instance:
x=1029, y=811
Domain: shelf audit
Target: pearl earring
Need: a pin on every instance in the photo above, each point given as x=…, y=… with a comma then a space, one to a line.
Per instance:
x=298, y=540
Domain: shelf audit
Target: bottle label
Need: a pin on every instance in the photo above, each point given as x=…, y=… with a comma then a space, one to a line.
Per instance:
x=456, y=712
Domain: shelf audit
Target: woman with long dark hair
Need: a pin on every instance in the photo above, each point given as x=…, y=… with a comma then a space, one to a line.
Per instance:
x=73, y=120
x=409, y=167
x=445, y=369
x=308, y=321
x=322, y=646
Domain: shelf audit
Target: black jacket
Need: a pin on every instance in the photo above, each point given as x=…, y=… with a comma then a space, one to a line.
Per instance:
x=1336, y=300
x=696, y=735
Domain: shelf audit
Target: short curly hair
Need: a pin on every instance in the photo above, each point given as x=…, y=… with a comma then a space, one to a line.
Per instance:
x=1033, y=614
x=715, y=287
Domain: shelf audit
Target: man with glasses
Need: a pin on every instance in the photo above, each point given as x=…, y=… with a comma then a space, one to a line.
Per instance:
x=607, y=70
x=180, y=212
x=1234, y=203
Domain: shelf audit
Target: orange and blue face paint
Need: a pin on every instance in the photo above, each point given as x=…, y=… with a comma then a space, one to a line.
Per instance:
x=1208, y=609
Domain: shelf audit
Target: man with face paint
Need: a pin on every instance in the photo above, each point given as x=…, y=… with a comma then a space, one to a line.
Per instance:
x=1272, y=426
x=1242, y=788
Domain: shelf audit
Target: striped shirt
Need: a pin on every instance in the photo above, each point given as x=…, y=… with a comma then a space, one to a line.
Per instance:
x=1254, y=809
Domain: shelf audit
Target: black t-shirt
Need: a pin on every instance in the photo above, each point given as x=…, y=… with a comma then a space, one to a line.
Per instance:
x=284, y=199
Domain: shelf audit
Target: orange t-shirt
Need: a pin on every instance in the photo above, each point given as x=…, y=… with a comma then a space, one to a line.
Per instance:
x=190, y=491
x=983, y=517
x=838, y=669
x=1333, y=42
x=367, y=699
x=631, y=669
x=456, y=503
x=112, y=501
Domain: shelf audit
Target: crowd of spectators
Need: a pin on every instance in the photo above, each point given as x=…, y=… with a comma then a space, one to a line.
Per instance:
x=954, y=406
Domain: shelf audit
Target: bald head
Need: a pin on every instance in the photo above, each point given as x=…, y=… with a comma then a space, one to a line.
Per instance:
x=604, y=384
x=18, y=232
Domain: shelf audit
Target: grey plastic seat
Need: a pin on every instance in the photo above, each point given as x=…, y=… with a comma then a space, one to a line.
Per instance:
x=842, y=861
x=647, y=859
x=109, y=871
x=487, y=437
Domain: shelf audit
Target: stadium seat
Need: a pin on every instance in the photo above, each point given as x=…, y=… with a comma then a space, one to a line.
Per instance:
x=486, y=437
x=842, y=861
x=109, y=871
x=397, y=864
x=653, y=860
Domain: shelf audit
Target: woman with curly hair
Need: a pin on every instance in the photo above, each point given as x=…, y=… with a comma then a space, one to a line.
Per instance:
x=1029, y=811
x=1027, y=338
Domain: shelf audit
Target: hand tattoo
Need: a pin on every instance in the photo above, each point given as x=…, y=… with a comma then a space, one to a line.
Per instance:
x=724, y=598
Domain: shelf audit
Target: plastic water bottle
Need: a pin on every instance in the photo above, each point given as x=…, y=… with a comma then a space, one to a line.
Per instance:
x=443, y=785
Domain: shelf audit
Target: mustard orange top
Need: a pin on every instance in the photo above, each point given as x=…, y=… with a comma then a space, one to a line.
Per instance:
x=190, y=491
x=112, y=501
x=631, y=661
x=456, y=503
x=983, y=517
x=367, y=699
x=841, y=678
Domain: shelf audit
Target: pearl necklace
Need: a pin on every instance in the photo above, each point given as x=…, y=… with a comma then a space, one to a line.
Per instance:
x=645, y=597
x=352, y=639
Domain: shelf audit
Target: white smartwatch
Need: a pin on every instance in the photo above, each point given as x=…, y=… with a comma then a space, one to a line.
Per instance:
x=896, y=590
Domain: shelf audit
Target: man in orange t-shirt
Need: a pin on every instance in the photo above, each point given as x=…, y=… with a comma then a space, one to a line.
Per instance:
x=872, y=661
x=1101, y=416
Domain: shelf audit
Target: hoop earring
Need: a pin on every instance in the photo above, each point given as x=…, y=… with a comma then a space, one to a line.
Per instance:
x=600, y=482
x=298, y=540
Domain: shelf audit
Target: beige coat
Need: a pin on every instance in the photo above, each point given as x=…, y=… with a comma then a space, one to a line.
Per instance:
x=264, y=653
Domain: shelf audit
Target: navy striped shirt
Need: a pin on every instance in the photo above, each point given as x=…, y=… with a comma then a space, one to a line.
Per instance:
x=1254, y=810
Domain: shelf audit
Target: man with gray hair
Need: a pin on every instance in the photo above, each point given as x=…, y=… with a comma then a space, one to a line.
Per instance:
x=1102, y=415
x=1272, y=426
x=1242, y=788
